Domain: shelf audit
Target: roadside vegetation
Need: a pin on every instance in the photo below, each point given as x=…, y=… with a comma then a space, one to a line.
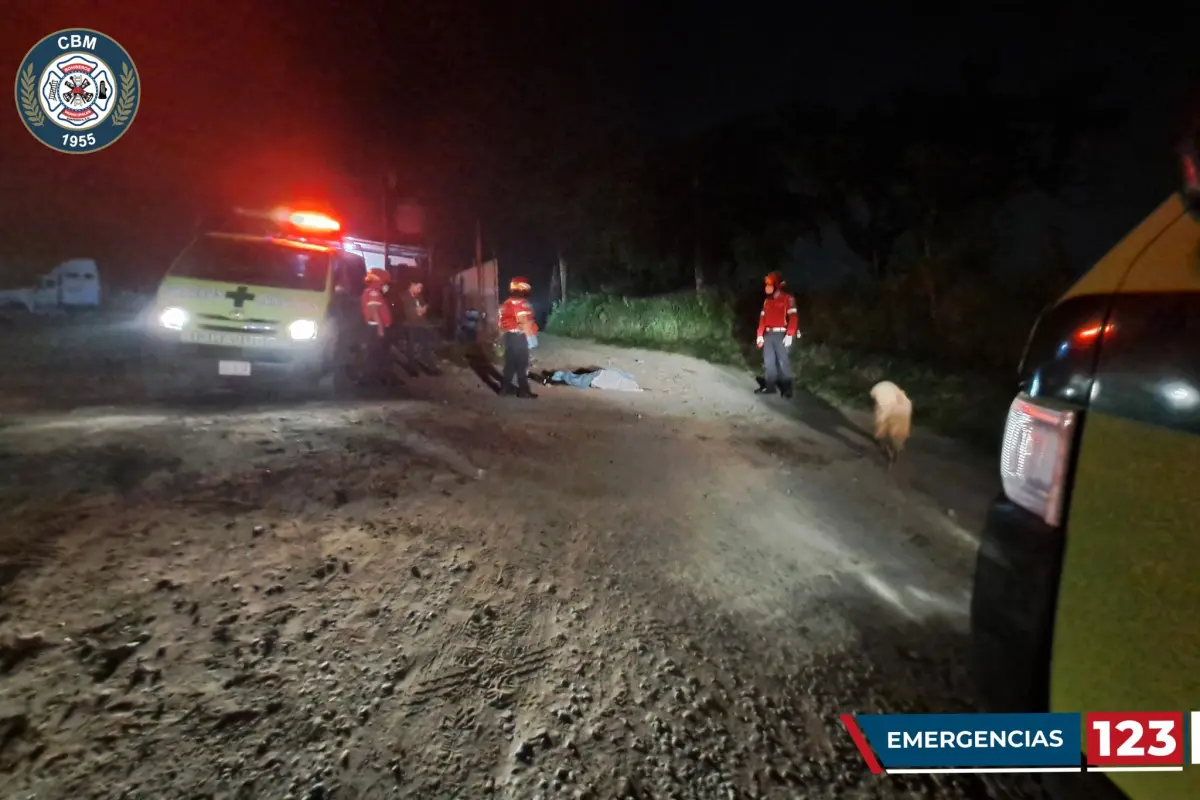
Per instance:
x=963, y=403
x=668, y=248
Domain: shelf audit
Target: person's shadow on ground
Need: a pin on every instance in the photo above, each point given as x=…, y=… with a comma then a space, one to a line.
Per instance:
x=830, y=421
x=415, y=367
x=399, y=355
x=422, y=368
x=477, y=359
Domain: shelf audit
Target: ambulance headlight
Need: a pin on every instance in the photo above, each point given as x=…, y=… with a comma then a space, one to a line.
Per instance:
x=173, y=318
x=302, y=330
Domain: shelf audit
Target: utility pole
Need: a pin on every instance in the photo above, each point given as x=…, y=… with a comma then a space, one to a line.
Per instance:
x=697, y=266
x=481, y=301
x=389, y=186
x=562, y=275
x=478, y=242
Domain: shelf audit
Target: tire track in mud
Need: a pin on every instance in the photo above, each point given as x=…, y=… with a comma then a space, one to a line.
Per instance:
x=496, y=668
x=487, y=665
x=484, y=668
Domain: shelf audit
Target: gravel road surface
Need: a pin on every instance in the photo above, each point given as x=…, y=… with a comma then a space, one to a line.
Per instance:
x=437, y=592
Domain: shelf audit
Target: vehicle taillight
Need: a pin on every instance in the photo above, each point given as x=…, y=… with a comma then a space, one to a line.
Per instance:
x=1191, y=175
x=1091, y=333
x=1033, y=459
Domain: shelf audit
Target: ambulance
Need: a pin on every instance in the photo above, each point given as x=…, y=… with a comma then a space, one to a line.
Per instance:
x=259, y=297
x=1086, y=591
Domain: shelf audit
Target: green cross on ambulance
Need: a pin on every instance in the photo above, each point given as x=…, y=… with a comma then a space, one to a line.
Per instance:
x=265, y=296
x=1086, y=587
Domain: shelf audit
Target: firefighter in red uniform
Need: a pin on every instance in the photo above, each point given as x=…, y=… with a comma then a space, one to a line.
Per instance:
x=776, y=329
x=516, y=325
x=377, y=313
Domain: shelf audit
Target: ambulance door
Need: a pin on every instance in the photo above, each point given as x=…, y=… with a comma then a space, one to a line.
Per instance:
x=349, y=282
x=1125, y=633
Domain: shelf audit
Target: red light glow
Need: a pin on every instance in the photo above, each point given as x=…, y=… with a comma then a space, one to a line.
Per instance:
x=314, y=221
x=1091, y=333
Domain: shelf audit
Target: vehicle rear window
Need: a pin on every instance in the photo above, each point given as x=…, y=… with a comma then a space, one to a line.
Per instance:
x=258, y=263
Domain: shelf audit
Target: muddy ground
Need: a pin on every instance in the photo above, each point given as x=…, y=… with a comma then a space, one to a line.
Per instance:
x=442, y=593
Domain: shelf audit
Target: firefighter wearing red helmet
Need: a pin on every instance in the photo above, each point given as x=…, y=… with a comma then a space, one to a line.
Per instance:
x=777, y=325
x=377, y=313
x=516, y=326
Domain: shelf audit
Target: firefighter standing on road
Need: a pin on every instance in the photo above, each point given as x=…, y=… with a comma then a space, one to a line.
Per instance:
x=378, y=314
x=776, y=329
x=418, y=332
x=516, y=325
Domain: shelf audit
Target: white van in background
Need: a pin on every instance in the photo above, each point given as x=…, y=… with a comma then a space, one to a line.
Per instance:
x=73, y=284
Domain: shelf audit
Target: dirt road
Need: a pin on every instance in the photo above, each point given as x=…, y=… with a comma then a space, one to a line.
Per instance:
x=448, y=594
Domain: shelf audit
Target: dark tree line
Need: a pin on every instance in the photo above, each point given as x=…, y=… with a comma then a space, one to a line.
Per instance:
x=910, y=183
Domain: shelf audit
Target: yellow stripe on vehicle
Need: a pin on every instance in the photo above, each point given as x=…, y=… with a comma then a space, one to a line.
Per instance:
x=1109, y=273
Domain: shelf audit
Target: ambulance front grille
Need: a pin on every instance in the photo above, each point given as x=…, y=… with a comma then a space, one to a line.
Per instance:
x=237, y=320
x=247, y=329
x=225, y=324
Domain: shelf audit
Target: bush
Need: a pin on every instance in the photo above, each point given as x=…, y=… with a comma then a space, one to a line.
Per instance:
x=839, y=358
x=699, y=326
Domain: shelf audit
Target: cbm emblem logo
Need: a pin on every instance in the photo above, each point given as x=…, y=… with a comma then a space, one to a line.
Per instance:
x=77, y=91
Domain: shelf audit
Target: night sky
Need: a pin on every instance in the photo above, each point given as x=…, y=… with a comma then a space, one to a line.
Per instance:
x=262, y=102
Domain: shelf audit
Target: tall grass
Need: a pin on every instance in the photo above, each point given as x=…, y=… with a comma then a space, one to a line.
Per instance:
x=966, y=404
x=700, y=326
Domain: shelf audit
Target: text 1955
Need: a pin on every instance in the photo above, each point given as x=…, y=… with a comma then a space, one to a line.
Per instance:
x=79, y=139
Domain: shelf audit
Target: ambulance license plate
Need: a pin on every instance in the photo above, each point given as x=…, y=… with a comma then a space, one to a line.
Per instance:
x=241, y=368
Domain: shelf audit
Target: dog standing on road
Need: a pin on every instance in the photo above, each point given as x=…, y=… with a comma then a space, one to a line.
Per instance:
x=893, y=419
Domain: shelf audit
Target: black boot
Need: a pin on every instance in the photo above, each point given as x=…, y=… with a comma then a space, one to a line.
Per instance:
x=528, y=395
x=785, y=388
x=765, y=388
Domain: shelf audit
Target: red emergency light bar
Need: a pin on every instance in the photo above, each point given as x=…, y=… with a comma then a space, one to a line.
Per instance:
x=280, y=222
x=314, y=221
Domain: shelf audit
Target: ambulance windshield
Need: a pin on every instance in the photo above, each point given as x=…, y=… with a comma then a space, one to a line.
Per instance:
x=256, y=262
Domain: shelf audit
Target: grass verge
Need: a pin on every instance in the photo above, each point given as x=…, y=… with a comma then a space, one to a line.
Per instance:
x=969, y=407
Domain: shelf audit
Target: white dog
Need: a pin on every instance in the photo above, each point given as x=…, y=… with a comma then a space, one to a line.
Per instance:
x=893, y=419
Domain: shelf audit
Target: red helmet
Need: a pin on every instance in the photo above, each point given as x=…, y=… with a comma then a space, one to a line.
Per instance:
x=774, y=281
x=378, y=276
x=519, y=284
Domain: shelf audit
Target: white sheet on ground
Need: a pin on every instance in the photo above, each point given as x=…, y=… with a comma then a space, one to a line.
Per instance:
x=614, y=380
